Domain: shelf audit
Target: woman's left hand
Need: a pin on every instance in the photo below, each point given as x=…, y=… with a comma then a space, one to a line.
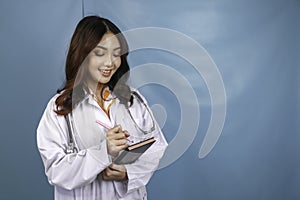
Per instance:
x=114, y=173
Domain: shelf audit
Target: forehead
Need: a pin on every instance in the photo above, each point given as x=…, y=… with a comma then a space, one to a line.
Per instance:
x=109, y=41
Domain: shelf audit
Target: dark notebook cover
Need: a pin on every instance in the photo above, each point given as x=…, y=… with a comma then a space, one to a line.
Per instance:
x=133, y=152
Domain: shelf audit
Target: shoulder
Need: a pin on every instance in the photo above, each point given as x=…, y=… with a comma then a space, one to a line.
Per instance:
x=135, y=91
x=50, y=106
x=51, y=103
x=138, y=94
x=49, y=116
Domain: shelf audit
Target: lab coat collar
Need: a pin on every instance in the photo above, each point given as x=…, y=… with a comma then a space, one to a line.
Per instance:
x=89, y=96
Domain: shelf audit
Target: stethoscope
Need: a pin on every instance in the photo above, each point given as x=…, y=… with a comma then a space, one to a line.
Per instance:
x=71, y=148
x=126, y=97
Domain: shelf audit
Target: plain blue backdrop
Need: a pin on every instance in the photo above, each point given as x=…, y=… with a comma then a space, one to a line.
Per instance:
x=255, y=45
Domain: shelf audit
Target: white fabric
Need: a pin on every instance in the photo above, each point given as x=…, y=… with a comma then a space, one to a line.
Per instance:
x=76, y=176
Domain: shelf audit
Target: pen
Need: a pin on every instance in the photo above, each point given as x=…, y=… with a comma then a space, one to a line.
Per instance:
x=108, y=127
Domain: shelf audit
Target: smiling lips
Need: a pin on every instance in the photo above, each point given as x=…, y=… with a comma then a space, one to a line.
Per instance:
x=105, y=72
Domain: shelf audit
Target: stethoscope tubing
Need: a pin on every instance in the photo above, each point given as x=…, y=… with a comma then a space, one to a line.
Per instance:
x=71, y=145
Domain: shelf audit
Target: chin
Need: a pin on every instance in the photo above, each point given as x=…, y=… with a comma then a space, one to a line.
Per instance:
x=104, y=81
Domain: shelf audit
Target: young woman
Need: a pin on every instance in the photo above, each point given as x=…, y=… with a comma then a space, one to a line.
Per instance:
x=87, y=124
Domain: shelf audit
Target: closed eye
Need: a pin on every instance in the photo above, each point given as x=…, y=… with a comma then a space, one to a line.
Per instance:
x=117, y=55
x=99, y=54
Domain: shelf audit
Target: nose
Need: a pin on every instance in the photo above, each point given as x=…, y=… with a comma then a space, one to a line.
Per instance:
x=108, y=61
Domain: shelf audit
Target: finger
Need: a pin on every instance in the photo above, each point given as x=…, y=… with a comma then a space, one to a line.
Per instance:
x=117, y=136
x=118, y=148
x=121, y=147
x=114, y=130
x=103, y=174
x=111, y=173
x=111, y=167
x=119, y=142
x=117, y=128
x=119, y=168
x=126, y=133
x=106, y=174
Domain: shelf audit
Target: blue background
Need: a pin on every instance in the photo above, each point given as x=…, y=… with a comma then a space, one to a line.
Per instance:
x=255, y=45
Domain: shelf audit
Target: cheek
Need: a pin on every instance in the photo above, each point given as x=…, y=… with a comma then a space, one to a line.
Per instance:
x=93, y=64
x=117, y=62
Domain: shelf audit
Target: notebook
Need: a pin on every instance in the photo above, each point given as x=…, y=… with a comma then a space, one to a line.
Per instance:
x=133, y=152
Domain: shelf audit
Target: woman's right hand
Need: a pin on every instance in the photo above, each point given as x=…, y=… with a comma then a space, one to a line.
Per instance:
x=116, y=140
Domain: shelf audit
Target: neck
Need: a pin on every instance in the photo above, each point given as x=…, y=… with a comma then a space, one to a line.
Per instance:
x=96, y=88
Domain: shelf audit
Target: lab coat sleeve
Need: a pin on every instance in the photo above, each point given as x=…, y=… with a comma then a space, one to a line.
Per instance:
x=140, y=172
x=67, y=170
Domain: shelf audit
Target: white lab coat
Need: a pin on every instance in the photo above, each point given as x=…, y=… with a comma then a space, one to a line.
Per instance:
x=76, y=175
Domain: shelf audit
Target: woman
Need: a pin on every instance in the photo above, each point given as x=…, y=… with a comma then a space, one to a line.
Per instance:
x=96, y=116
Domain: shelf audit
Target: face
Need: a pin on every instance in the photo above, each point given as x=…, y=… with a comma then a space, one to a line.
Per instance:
x=103, y=61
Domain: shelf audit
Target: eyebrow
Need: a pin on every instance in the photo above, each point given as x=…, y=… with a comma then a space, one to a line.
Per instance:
x=104, y=48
